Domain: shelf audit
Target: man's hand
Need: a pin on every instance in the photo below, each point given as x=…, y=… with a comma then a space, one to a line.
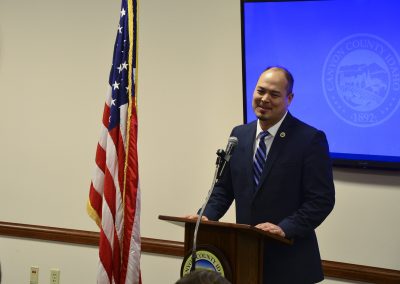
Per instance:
x=195, y=216
x=271, y=228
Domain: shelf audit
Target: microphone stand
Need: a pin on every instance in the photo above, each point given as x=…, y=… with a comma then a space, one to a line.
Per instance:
x=220, y=165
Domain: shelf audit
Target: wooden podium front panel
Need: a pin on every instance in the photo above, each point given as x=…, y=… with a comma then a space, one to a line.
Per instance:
x=243, y=251
x=250, y=251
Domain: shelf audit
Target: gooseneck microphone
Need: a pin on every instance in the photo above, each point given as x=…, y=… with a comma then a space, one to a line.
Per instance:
x=221, y=164
x=224, y=157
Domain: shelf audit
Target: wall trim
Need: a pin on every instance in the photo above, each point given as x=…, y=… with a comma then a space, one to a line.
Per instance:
x=339, y=270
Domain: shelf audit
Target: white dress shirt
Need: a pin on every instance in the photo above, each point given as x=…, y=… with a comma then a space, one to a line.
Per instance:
x=270, y=138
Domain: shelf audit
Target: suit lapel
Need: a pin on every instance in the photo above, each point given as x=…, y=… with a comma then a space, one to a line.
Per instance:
x=248, y=151
x=276, y=147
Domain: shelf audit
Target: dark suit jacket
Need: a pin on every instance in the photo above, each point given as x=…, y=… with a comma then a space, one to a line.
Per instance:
x=296, y=192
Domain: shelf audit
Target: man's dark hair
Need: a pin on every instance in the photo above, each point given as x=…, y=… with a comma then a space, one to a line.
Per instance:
x=203, y=277
x=288, y=76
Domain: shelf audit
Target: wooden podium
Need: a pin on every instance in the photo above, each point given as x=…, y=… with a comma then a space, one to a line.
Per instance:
x=241, y=245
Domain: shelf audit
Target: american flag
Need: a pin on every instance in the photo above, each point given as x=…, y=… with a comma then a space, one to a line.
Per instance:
x=114, y=197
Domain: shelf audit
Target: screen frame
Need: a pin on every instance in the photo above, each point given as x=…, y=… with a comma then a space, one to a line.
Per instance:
x=341, y=160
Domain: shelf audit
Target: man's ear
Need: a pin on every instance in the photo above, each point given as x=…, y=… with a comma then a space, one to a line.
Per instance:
x=290, y=98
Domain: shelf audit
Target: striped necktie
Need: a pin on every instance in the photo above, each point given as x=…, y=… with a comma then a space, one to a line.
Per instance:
x=260, y=157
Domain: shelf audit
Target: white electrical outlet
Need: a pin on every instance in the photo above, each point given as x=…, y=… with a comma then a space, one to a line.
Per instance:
x=34, y=277
x=55, y=276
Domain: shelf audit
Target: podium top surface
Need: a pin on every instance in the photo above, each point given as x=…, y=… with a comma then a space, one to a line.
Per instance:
x=244, y=227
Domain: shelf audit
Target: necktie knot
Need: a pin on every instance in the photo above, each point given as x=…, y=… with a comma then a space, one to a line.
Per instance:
x=263, y=135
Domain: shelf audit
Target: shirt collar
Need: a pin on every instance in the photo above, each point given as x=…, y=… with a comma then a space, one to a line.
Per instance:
x=272, y=130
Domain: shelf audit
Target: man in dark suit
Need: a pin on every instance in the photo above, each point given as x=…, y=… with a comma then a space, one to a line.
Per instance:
x=280, y=177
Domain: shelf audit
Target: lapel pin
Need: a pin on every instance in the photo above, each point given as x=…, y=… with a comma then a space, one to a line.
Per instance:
x=282, y=134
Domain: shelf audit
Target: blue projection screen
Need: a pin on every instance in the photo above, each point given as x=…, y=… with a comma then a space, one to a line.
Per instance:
x=344, y=56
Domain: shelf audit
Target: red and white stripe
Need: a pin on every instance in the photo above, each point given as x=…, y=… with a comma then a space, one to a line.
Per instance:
x=118, y=218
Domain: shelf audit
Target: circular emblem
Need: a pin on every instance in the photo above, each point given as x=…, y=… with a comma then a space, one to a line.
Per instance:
x=361, y=80
x=207, y=258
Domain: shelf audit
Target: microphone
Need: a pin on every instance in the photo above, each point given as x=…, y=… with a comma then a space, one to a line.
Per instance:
x=222, y=161
x=224, y=157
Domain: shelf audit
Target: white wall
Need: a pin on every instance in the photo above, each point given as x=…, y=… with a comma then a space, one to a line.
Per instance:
x=364, y=226
x=54, y=62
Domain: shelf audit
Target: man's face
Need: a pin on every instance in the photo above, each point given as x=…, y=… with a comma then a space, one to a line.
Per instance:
x=270, y=98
